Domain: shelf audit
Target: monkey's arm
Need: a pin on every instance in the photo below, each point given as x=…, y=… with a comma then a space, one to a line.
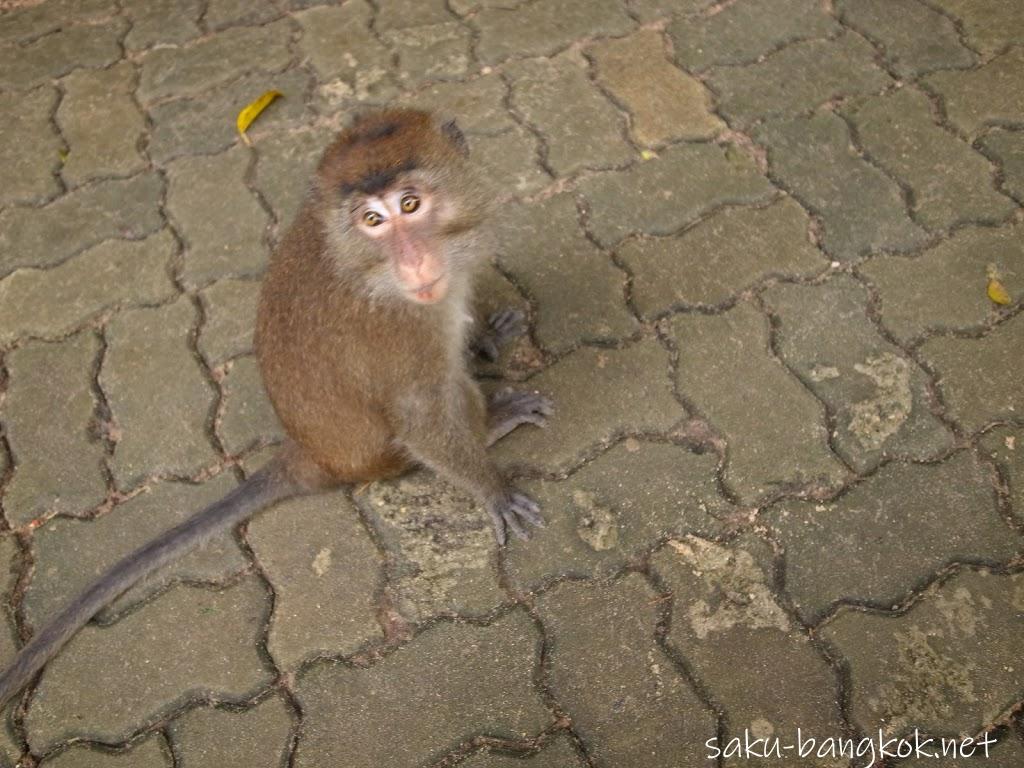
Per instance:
x=269, y=485
x=448, y=433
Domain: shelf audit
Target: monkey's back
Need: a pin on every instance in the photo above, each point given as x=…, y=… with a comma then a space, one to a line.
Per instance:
x=323, y=362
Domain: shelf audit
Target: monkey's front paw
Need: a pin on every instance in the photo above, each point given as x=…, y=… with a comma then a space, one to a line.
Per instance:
x=512, y=512
x=508, y=408
x=502, y=327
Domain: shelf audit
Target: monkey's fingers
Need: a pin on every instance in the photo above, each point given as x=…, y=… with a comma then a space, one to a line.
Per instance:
x=513, y=513
x=507, y=324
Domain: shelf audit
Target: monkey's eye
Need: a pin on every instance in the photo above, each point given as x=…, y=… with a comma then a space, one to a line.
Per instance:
x=410, y=203
x=372, y=219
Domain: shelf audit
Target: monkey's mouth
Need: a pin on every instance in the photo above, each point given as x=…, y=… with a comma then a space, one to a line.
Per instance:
x=432, y=292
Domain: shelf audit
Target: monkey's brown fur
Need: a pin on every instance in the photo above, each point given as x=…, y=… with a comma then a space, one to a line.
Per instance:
x=367, y=372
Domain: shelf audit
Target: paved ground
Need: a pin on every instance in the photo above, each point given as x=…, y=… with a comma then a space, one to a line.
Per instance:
x=786, y=482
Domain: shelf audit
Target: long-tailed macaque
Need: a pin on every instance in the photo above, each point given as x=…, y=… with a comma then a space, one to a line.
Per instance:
x=362, y=336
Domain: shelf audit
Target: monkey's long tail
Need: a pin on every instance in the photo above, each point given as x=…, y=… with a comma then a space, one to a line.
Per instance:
x=263, y=488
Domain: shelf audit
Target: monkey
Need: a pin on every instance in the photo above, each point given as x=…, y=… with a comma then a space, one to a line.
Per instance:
x=362, y=339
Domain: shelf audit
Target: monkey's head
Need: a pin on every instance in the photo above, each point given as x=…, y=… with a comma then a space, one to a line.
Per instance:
x=401, y=204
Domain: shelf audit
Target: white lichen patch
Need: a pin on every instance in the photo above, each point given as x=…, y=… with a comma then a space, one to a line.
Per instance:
x=595, y=523
x=322, y=561
x=876, y=419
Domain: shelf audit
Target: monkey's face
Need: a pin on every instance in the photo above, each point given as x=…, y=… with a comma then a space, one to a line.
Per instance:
x=403, y=221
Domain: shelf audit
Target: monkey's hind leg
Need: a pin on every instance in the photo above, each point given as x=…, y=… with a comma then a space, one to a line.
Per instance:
x=501, y=328
x=508, y=408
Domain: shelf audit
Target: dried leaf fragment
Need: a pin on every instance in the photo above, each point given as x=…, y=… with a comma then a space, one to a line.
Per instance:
x=997, y=292
x=252, y=110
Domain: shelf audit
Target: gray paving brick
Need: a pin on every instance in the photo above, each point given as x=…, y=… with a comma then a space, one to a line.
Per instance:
x=284, y=169
x=727, y=371
x=217, y=217
x=42, y=237
x=338, y=44
x=32, y=21
x=401, y=14
x=440, y=547
x=10, y=747
x=152, y=752
x=1006, y=446
x=228, y=13
x=612, y=511
x=543, y=27
x=951, y=183
x=756, y=662
x=148, y=361
x=949, y=665
x=877, y=396
x=511, y=160
x=558, y=754
x=1008, y=149
x=629, y=704
x=670, y=191
x=247, y=416
x=229, y=308
x=54, y=55
x=862, y=209
x=155, y=22
x=478, y=104
x=49, y=416
x=743, y=32
x=30, y=154
x=208, y=737
x=544, y=248
x=108, y=682
x=434, y=52
x=947, y=283
x=720, y=257
x=987, y=95
x=665, y=104
x=990, y=24
x=450, y=683
x=49, y=303
x=325, y=572
x=556, y=96
x=943, y=512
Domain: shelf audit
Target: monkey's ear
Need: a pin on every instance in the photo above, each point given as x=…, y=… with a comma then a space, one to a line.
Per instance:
x=454, y=134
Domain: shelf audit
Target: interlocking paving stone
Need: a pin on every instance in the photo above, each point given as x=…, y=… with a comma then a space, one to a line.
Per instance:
x=325, y=572
x=944, y=288
x=756, y=663
x=10, y=748
x=727, y=371
x=665, y=103
x=338, y=44
x=449, y=684
x=101, y=124
x=543, y=27
x=190, y=643
x=941, y=513
x=557, y=97
x=916, y=38
x=952, y=184
x=743, y=32
x=434, y=52
x=720, y=257
x=558, y=754
x=440, y=546
x=612, y=511
x=1006, y=446
x=510, y=159
x=71, y=554
x=30, y=153
x=214, y=60
x=230, y=315
x=1007, y=753
x=284, y=169
x=208, y=737
x=226, y=13
x=32, y=21
x=798, y=78
x=155, y=22
x=987, y=95
x=542, y=245
x=989, y=25
x=977, y=377
x=399, y=14
x=152, y=752
x=147, y=362
x=478, y=104
x=42, y=237
x=1008, y=149
x=652, y=10
x=628, y=703
x=217, y=216
x=878, y=398
x=49, y=303
x=608, y=392
x=206, y=124
x=950, y=665
x=670, y=191
x=861, y=208
x=56, y=54
x=248, y=416
x=49, y=416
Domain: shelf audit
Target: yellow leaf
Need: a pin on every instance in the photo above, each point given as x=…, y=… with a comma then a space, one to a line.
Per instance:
x=647, y=154
x=251, y=111
x=997, y=292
